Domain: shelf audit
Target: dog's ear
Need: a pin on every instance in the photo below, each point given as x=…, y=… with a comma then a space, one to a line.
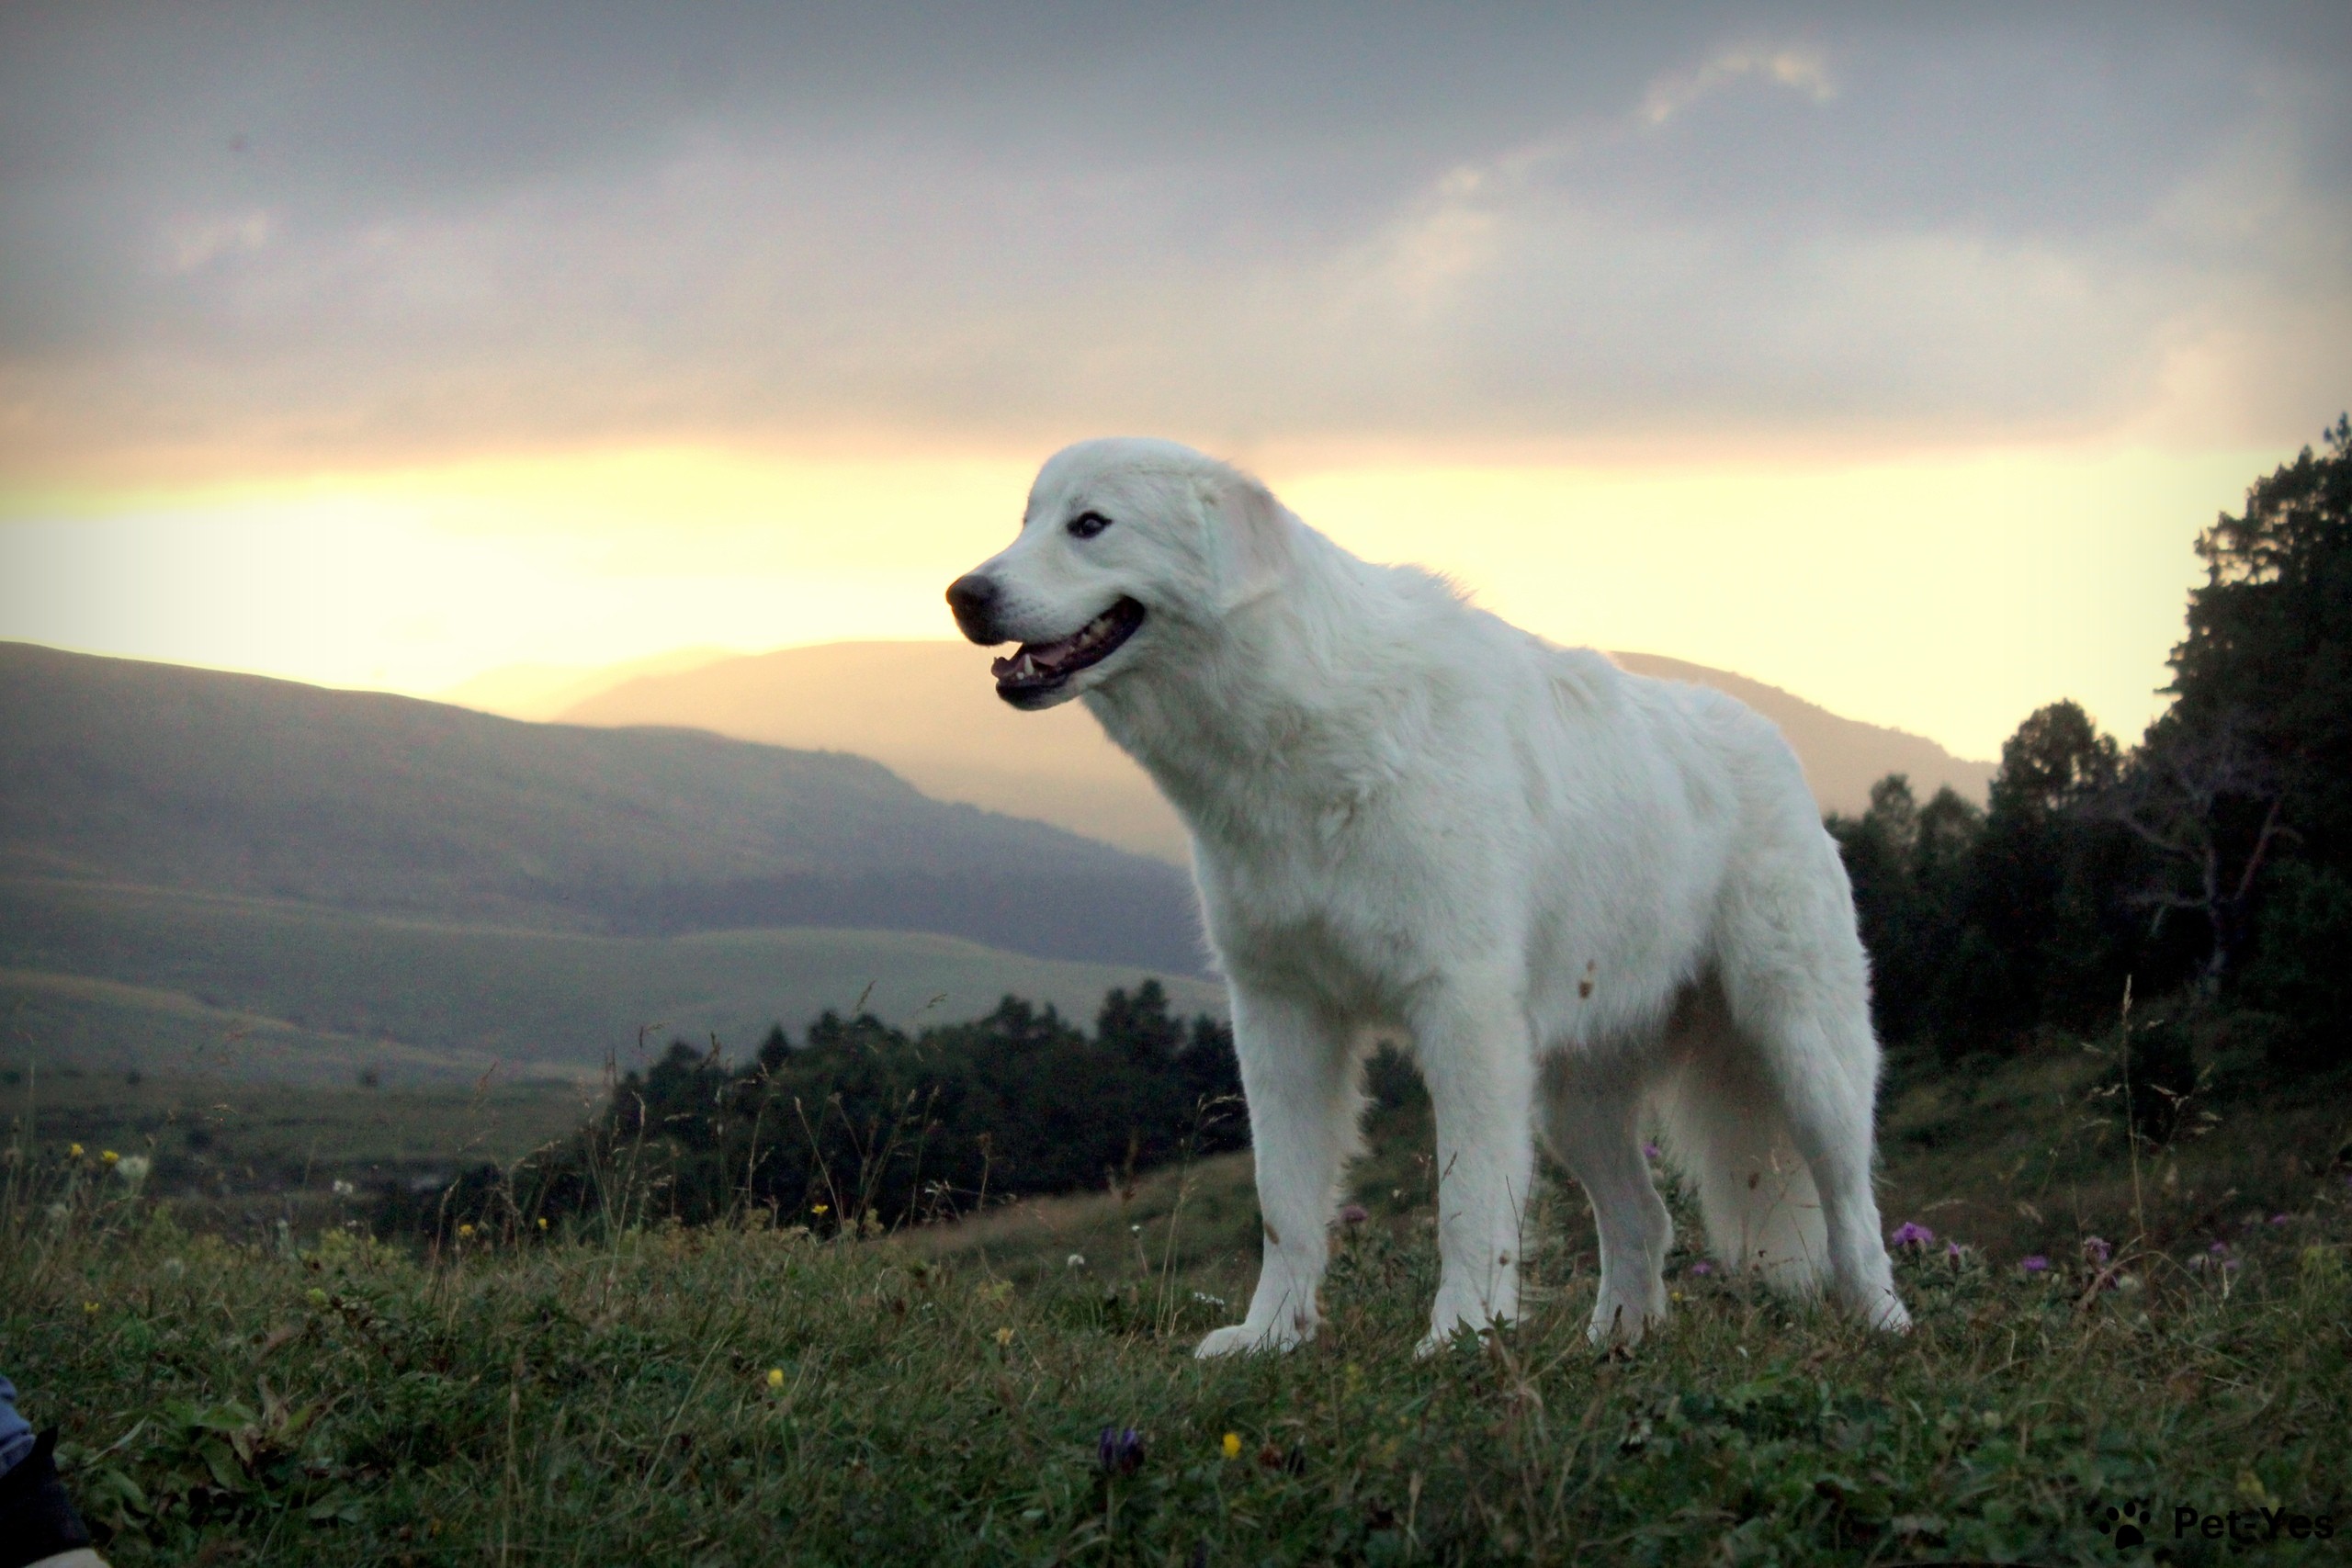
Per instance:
x=1251, y=537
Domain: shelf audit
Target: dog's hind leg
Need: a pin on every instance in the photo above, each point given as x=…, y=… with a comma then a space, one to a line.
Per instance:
x=1298, y=1075
x=1721, y=1119
x=1796, y=979
x=1828, y=1114
x=1594, y=1129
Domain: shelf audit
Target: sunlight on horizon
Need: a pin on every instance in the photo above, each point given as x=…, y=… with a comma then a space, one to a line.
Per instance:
x=1947, y=595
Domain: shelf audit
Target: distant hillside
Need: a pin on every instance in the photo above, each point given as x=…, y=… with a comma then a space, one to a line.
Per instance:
x=121, y=771
x=541, y=692
x=1842, y=757
x=929, y=711
x=188, y=985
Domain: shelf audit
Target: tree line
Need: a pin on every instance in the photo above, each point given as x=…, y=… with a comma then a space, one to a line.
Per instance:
x=864, y=1126
x=2209, y=866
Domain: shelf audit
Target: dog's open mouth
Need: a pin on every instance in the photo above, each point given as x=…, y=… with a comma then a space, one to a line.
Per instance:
x=1036, y=667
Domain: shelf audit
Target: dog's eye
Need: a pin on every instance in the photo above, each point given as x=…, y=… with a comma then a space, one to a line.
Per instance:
x=1086, y=525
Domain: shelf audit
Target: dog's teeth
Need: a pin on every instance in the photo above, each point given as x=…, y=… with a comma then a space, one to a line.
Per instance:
x=1038, y=663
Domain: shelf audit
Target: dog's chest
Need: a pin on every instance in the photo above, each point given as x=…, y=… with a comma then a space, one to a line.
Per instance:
x=1317, y=855
x=1312, y=907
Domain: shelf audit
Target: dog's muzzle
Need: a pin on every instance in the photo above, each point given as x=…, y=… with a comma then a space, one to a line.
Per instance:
x=1036, y=671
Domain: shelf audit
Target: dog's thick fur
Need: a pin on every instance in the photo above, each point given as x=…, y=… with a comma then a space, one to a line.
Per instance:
x=1588, y=900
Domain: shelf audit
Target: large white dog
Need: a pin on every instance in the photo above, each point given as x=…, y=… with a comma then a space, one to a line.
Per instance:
x=1587, y=899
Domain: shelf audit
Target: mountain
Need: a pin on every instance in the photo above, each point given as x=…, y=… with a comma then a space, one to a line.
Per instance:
x=114, y=771
x=928, y=711
x=540, y=692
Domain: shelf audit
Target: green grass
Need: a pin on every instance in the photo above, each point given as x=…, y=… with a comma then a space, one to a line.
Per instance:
x=119, y=979
x=241, y=1155
x=2030, y=1156
x=78, y=1023
x=747, y=1394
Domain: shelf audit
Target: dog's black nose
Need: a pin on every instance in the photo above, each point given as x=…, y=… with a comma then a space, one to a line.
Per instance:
x=972, y=598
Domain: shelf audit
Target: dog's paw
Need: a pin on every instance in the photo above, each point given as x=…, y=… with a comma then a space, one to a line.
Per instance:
x=1448, y=1329
x=1886, y=1314
x=1432, y=1343
x=1621, y=1322
x=1245, y=1339
x=1234, y=1340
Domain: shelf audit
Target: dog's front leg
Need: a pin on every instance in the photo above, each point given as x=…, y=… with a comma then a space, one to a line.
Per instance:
x=1296, y=1073
x=1472, y=1038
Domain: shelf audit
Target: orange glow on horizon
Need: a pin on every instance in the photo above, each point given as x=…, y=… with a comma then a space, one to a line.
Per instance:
x=1945, y=594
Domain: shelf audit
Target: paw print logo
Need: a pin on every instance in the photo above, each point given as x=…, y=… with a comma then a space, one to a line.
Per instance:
x=2124, y=1521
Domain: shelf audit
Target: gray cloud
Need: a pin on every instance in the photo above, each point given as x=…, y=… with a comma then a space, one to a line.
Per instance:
x=419, y=229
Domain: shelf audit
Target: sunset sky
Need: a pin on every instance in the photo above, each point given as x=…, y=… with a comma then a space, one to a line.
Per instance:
x=1892, y=356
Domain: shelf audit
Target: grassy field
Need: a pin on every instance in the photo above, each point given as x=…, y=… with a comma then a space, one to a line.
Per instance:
x=747, y=1394
x=239, y=1157
x=120, y=979
x=79, y=1024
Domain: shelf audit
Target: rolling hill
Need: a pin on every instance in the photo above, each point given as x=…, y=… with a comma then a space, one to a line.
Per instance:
x=928, y=711
x=190, y=985
x=117, y=772
x=541, y=692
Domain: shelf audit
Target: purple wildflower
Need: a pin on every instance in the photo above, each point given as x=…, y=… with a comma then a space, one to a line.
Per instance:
x=2282, y=1219
x=2097, y=1250
x=2034, y=1263
x=2219, y=1249
x=1911, y=1232
x=1703, y=1266
x=1952, y=1251
x=1650, y=1149
x=1120, y=1451
x=1353, y=1213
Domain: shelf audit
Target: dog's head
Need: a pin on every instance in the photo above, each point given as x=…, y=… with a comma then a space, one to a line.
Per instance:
x=1127, y=548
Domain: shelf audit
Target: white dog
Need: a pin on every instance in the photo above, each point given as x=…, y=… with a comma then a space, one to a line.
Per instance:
x=1587, y=899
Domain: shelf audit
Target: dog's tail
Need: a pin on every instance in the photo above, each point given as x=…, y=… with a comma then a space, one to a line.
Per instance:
x=1724, y=1135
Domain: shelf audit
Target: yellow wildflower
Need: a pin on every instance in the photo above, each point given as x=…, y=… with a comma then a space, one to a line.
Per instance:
x=109, y=1156
x=90, y=1307
x=817, y=1209
x=543, y=1222
x=1233, y=1445
x=73, y=1153
x=465, y=1230
x=776, y=1377
x=1004, y=1335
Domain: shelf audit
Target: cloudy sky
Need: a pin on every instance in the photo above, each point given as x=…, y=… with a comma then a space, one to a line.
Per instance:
x=1893, y=355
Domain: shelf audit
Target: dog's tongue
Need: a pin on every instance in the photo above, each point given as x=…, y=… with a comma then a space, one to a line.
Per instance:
x=1035, y=660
